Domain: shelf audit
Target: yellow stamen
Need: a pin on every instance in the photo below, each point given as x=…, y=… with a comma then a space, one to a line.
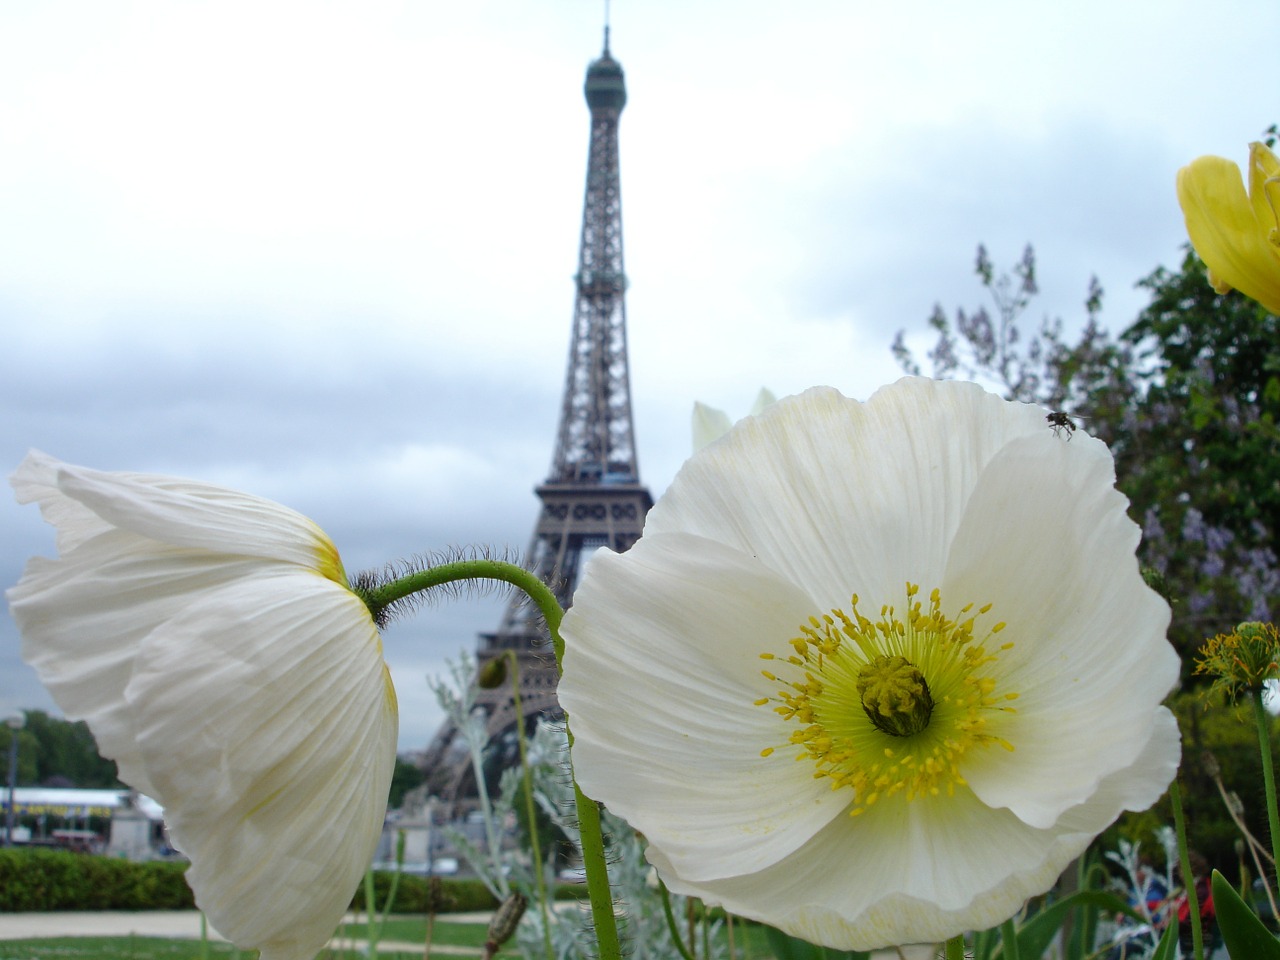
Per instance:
x=891, y=708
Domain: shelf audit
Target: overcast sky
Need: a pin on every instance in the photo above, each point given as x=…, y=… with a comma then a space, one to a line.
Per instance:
x=323, y=252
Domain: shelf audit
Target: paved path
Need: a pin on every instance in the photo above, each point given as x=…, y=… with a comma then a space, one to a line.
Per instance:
x=172, y=924
x=182, y=924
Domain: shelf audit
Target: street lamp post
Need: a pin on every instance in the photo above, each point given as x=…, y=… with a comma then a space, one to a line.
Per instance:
x=15, y=722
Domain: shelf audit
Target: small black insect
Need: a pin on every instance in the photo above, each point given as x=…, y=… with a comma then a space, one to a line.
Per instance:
x=1059, y=422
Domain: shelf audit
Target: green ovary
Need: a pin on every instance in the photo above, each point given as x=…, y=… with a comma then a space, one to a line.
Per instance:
x=895, y=696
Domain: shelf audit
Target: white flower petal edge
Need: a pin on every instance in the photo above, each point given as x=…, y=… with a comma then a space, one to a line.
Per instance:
x=937, y=484
x=1043, y=507
x=233, y=677
x=892, y=473
x=723, y=819
x=928, y=874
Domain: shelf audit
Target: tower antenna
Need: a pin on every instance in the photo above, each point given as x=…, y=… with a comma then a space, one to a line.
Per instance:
x=606, y=28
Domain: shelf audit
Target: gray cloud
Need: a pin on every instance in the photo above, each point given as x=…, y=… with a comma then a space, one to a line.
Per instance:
x=328, y=259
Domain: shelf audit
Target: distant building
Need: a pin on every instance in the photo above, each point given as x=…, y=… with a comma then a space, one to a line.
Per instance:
x=65, y=817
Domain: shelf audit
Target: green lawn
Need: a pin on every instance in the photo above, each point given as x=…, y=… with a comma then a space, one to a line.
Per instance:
x=113, y=948
x=749, y=944
x=413, y=929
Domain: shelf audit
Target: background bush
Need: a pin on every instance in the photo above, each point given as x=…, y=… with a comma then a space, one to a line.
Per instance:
x=414, y=894
x=42, y=880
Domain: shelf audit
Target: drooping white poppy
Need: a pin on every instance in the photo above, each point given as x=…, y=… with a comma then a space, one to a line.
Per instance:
x=213, y=645
x=963, y=672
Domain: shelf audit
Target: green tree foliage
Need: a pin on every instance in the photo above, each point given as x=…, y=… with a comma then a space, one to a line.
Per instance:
x=53, y=751
x=28, y=745
x=1201, y=453
x=404, y=778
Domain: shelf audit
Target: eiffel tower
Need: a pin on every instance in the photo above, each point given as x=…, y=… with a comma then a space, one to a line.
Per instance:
x=593, y=496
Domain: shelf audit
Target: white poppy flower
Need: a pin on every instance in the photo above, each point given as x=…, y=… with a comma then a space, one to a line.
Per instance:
x=910, y=762
x=211, y=641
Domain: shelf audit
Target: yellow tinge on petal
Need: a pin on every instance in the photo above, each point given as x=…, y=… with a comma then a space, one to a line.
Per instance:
x=328, y=562
x=1236, y=233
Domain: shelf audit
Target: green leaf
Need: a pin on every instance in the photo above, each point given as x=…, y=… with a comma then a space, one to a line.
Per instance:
x=1244, y=934
x=1167, y=948
x=783, y=946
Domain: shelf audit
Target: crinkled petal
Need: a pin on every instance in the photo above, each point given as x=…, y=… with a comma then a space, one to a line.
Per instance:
x=83, y=618
x=690, y=775
x=184, y=513
x=1226, y=232
x=1047, y=541
x=843, y=496
x=211, y=642
x=267, y=725
x=36, y=481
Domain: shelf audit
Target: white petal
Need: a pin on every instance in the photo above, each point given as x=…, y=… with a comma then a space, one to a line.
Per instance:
x=765, y=398
x=898, y=874
x=843, y=496
x=1047, y=541
x=709, y=425
x=36, y=481
x=937, y=484
x=1137, y=786
x=267, y=725
x=927, y=870
x=660, y=697
x=171, y=510
x=83, y=618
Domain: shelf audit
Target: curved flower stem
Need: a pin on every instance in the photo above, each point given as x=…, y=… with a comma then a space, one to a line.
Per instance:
x=955, y=948
x=1188, y=878
x=591, y=838
x=1268, y=774
x=526, y=780
x=676, y=936
x=379, y=598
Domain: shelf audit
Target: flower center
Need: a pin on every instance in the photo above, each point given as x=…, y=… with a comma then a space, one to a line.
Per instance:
x=891, y=707
x=895, y=696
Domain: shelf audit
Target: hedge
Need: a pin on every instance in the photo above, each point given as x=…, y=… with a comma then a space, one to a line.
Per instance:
x=42, y=880
x=413, y=894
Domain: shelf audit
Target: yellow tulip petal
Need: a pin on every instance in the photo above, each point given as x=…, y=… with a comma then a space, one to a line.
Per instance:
x=1264, y=193
x=1224, y=228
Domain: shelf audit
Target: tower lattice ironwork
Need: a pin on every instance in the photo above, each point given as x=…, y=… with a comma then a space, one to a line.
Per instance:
x=593, y=496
